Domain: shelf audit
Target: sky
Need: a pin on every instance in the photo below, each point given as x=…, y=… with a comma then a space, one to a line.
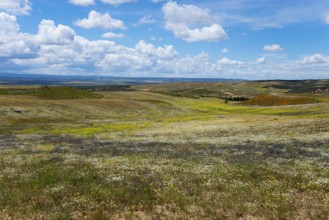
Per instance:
x=244, y=39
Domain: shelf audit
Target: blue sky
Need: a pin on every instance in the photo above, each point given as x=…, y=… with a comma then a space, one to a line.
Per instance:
x=249, y=39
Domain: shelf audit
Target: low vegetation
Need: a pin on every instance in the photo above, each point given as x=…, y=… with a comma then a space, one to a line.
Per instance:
x=146, y=155
x=302, y=86
x=53, y=92
x=271, y=100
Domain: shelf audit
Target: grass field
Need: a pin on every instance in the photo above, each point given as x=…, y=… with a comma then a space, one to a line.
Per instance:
x=164, y=152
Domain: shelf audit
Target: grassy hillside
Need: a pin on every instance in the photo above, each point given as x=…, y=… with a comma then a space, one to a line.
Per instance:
x=147, y=155
x=241, y=89
x=271, y=100
x=304, y=86
x=54, y=92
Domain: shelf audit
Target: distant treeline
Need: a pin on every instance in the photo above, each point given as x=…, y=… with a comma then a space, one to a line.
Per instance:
x=305, y=86
x=236, y=98
x=107, y=88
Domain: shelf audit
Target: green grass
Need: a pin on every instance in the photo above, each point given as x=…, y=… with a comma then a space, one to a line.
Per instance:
x=52, y=184
x=56, y=92
x=218, y=89
x=100, y=128
x=214, y=106
x=144, y=155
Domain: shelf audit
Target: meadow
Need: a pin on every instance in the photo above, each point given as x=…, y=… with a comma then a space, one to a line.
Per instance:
x=165, y=151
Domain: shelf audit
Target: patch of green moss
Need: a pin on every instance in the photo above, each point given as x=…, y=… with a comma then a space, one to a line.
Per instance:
x=100, y=128
x=217, y=107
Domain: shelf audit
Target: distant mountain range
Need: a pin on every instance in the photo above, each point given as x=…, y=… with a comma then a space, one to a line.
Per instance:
x=73, y=80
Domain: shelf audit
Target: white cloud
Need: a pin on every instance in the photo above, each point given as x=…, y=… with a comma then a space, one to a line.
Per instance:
x=17, y=7
x=17, y=50
x=226, y=61
x=224, y=50
x=143, y=59
x=212, y=33
x=199, y=65
x=261, y=60
x=98, y=20
x=57, y=49
x=273, y=48
x=163, y=53
x=315, y=59
x=182, y=20
x=12, y=43
x=123, y=62
x=187, y=14
x=117, y=2
x=112, y=35
x=50, y=34
x=8, y=24
x=82, y=2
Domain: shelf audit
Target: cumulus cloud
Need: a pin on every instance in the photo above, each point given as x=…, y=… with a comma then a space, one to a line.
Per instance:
x=261, y=60
x=163, y=53
x=17, y=50
x=57, y=49
x=181, y=20
x=12, y=43
x=188, y=14
x=17, y=7
x=144, y=58
x=117, y=2
x=226, y=61
x=8, y=24
x=49, y=33
x=82, y=2
x=112, y=35
x=25, y=46
x=123, y=62
x=98, y=20
x=273, y=48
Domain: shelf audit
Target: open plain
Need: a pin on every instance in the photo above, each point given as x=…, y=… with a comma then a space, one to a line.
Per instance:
x=166, y=151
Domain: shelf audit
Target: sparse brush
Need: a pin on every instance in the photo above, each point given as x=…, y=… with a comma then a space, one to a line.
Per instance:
x=143, y=155
x=271, y=100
